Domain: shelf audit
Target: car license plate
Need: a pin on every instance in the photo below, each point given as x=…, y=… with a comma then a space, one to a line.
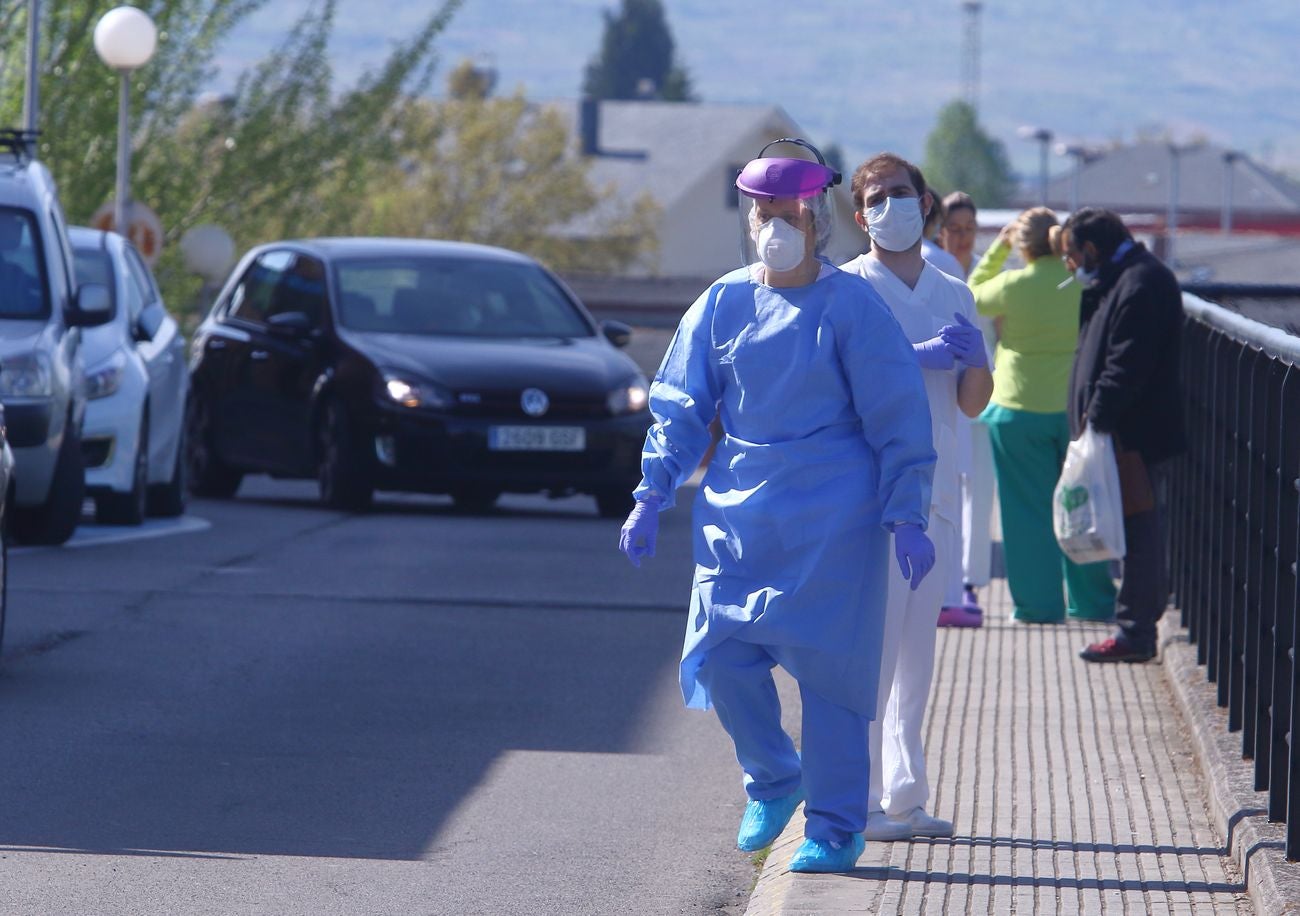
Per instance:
x=537, y=438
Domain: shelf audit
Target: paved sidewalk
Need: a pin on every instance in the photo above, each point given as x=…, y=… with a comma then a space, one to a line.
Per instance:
x=1066, y=798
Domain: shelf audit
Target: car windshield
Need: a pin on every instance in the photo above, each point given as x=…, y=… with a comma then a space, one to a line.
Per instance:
x=23, y=290
x=454, y=296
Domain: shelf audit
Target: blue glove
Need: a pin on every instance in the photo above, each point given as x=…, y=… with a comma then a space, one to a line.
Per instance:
x=915, y=553
x=933, y=354
x=637, y=539
x=965, y=341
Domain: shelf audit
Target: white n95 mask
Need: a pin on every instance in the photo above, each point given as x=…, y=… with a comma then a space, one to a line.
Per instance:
x=895, y=223
x=780, y=245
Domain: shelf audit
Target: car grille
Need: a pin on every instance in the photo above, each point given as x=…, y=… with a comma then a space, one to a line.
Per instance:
x=506, y=405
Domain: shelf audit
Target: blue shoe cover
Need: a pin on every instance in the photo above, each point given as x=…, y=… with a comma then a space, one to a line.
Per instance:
x=824, y=856
x=764, y=820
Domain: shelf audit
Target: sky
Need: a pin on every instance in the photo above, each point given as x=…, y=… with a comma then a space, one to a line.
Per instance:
x=872, y=75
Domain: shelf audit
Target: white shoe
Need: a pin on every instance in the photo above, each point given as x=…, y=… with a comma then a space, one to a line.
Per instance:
x=923, y=824
x=884, y=829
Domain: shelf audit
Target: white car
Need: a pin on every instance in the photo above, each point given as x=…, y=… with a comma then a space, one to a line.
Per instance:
x=136, y=384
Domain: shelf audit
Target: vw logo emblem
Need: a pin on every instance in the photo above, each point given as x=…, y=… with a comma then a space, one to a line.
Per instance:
x=535, y=402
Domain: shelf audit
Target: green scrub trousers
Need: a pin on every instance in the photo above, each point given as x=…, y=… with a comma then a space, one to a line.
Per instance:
x=1028, y=452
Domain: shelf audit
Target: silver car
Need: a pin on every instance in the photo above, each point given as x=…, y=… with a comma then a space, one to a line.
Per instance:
x=136, y=384
x=42, y=386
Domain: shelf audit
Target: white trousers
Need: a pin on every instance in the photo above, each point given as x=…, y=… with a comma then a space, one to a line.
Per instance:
x=978, y=490
x=898, y=780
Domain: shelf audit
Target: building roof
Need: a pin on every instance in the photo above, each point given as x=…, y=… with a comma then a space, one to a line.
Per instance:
x=1211, y=257
x=1135, y=179
x=665, y=148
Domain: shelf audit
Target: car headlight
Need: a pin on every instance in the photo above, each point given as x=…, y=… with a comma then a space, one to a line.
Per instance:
x=412, y=392
x=631, y=397
x=26, y=375
x=105, y=377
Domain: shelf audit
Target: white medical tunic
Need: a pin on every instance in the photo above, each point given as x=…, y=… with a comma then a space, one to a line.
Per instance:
x=826, y=443
x=922, y=312
x=942, y=259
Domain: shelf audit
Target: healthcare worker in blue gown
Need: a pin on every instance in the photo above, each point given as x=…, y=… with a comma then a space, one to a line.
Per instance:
x=825, y=454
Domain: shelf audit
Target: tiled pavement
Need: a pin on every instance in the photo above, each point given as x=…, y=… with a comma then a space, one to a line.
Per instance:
x=1073, y=789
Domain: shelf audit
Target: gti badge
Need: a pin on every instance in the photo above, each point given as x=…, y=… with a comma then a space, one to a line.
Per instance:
x=535, y=402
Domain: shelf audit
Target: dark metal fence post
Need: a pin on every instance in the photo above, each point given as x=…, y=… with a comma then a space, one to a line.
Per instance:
x=1250, y=592
x=1269, y=581
x=1284, y=620
x=1235, y=534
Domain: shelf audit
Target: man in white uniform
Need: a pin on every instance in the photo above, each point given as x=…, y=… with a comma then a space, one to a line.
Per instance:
x=937, y=314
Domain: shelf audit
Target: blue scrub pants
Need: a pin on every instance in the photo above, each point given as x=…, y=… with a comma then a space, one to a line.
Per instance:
x=834, y=769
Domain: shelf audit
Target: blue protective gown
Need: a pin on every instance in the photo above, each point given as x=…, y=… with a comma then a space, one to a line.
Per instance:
x=826, y=443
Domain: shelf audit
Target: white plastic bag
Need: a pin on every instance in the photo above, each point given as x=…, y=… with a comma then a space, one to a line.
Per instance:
x=1087, y=508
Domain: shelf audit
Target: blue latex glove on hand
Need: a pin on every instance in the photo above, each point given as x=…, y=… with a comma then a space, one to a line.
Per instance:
x=637, y=539
x=965, y=342
x=934, y=353
x=915, y=553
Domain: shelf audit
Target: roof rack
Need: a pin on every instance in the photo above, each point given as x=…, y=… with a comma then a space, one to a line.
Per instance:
x=21, y=143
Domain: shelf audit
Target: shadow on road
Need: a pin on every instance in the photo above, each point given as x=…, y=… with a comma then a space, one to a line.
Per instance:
x=240, y=723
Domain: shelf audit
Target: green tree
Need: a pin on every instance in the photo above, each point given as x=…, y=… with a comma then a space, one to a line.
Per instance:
x=500, y=171
x=636, y=53
x=960, y=156
x=284, y=154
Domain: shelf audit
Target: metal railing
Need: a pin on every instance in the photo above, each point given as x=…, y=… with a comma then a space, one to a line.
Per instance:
x=1234, y=525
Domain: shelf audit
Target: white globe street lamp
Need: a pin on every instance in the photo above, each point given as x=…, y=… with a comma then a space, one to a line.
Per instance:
x=125, y=39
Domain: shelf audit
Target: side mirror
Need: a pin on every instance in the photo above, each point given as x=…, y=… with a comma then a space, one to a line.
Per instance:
x=93, y=305
x=617, y=333
x=290, y=324
x=149, y=323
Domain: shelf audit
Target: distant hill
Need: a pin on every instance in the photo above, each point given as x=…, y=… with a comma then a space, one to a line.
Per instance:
x=872, y=75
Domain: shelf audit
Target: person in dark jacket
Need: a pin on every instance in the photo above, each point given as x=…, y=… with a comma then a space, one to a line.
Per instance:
x=1125, y=381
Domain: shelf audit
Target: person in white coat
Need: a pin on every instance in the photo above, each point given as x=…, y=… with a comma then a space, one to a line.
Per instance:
x=937, y=314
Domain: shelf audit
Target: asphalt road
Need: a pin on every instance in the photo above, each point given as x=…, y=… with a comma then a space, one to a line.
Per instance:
x=293, y=710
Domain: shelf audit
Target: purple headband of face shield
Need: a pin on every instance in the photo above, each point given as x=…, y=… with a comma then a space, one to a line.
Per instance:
x=782, y=177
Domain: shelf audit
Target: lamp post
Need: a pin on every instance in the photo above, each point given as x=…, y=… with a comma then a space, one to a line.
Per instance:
x=125, y=39
x=1044, y=138
x=31, y=93
x=1229, y=169
x=1171, y=216
x=1081, y=155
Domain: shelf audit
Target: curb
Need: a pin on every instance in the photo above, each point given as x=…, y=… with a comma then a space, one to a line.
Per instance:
x=771, y=895
x=1238, y=811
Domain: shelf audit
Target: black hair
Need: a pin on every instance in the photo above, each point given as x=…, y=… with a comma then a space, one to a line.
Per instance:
x=1102, y=227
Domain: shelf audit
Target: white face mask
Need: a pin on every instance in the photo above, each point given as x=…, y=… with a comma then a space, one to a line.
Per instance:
x=780, y=245
x=895, y=223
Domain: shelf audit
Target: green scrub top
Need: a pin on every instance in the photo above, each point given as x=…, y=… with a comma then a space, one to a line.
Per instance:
x=1040, y=329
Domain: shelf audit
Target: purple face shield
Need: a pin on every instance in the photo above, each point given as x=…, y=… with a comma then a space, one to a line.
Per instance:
x=782, y=177
x=786, y=178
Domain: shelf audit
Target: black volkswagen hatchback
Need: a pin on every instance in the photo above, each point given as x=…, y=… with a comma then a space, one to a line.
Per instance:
x=421, y=366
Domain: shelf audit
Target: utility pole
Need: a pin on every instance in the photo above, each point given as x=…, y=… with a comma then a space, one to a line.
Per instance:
x=970, y=55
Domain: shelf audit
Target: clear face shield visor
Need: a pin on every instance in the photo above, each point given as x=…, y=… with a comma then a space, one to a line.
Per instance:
x=780, y=202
